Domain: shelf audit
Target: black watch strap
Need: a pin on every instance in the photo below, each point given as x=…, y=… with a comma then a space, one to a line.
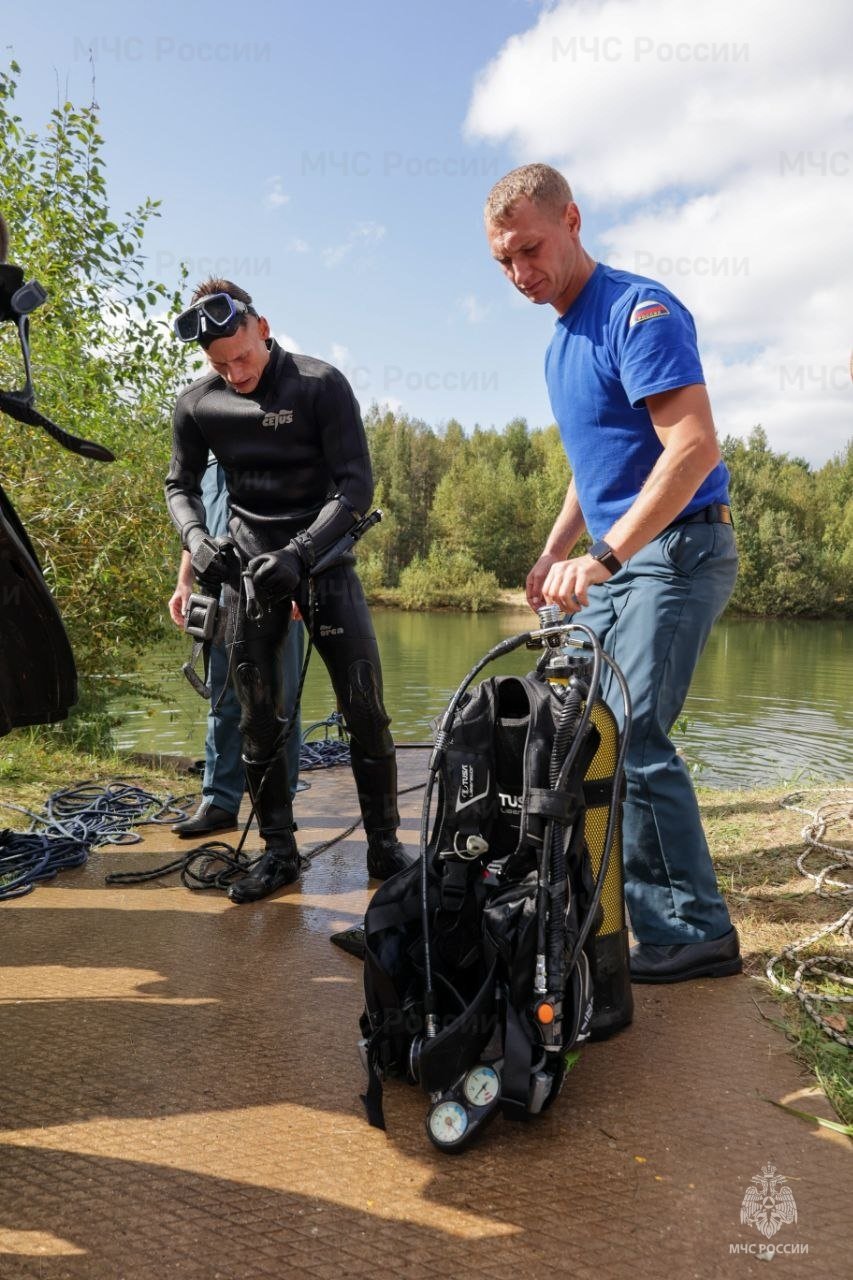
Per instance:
x=604, y=554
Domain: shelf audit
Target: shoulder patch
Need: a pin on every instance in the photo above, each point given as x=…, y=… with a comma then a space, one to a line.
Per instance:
x=649, y=310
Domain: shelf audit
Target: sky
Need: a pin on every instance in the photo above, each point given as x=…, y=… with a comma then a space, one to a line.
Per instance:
x=333, y=159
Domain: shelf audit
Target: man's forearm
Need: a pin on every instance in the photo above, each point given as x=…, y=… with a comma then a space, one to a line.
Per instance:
x=185, y=570
x=567, y=528
x=673, y=481
x=683, y=423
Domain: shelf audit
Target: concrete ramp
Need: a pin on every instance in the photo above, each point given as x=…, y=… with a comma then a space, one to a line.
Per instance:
x=180, y=1091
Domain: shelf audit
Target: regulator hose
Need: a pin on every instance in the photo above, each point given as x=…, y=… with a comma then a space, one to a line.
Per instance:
x=554, y=899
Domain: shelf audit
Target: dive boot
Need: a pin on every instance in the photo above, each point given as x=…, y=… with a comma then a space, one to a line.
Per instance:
x=280, y=865
x=386, y=855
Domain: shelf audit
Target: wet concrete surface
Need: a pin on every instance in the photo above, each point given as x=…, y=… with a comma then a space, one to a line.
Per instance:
x=181, y=1088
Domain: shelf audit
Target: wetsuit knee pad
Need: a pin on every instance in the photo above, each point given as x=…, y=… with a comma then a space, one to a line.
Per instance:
x=367, y=719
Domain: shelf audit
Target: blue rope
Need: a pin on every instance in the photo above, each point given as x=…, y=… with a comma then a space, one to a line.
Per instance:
x=74, y=821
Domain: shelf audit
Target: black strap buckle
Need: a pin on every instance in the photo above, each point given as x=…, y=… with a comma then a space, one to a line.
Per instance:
x=454, y=885
x=201, y=615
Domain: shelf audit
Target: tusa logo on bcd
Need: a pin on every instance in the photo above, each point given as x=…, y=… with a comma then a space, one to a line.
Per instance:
x=467, y=783
x=509, y=803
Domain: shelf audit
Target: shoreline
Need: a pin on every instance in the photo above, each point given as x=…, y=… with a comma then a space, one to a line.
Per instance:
x=509, y=600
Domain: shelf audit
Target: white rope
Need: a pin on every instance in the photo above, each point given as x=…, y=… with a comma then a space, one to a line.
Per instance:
x=832, y=813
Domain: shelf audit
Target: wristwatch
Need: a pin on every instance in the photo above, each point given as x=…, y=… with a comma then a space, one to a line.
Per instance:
x=604, y=554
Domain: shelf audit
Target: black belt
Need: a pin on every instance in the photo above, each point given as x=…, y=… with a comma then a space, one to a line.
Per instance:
x=716, y=513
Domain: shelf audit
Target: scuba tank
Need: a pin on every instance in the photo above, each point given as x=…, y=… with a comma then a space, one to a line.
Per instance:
x=613, y=1000
x=482, y=960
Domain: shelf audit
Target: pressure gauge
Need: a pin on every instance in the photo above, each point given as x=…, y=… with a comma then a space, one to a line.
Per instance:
x=481, y=1086
x=447, y=1123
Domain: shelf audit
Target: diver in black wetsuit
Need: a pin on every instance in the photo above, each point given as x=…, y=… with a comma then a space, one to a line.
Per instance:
x=288, y=433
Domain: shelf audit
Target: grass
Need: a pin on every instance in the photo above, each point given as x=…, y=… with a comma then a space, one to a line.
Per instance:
x=755, y=844
x=32, y=766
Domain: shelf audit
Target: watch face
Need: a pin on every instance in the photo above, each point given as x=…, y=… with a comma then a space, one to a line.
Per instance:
x=605, y=555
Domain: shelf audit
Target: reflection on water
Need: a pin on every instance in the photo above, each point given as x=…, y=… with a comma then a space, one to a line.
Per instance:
x=769, y=698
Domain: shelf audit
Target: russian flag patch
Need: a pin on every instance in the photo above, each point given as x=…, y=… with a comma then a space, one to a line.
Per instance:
x=647, y=311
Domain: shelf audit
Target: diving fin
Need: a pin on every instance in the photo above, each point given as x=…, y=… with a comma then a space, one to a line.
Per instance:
x=38, y=679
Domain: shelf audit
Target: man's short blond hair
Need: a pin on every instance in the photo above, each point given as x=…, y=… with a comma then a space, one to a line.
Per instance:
x=544, y=186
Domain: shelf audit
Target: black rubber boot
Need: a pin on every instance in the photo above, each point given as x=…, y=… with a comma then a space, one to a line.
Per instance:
x=376, y=781
x=386, y=855
x=280, y=865
x=269, y=788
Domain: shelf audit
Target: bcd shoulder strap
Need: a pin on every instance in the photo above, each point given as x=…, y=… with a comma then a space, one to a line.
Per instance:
x=468, y=782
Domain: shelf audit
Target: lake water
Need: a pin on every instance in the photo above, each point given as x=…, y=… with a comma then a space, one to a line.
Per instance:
x=770, y=700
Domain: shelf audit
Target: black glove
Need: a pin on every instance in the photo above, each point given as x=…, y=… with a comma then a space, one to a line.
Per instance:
x=277, y=574
x=208, y=558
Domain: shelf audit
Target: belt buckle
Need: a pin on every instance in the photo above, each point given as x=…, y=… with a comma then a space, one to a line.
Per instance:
x=200, y=621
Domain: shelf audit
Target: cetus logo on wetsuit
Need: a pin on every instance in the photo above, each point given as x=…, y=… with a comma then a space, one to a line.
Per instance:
x=279, y=419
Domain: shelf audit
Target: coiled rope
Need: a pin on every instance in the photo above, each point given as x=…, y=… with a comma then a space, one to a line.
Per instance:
x=217, y=864
x=327, y=752
x=74, y=821
x=833, y=815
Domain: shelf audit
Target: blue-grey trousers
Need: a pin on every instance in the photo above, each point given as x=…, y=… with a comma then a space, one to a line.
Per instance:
x=654, y=617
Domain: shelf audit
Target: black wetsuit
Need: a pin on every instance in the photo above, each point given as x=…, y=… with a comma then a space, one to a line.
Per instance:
x=286, y=449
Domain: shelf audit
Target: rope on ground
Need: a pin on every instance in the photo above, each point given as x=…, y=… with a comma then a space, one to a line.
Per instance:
x=74, y=821
x=833, y=815
x=216, y=864
x=212, y=865
x=328, y=752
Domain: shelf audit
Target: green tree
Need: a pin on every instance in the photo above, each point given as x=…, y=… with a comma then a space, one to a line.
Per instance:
x=552, y=475
x=834, y=498
x=484, y=508
x=104, y=365
x=407, y=459
x=786, y=567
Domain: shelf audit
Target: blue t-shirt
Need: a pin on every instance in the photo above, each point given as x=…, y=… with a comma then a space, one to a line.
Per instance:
x=214, y=495
x=623, y=338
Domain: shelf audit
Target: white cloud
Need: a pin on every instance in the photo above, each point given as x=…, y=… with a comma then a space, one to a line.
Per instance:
x=364, y=234
x=275, y=197
x=369, y=232
x=711, y=146
x=341, y=356
x=334, y=255
x=473, y=310
x=298, y=246
x=289, y=344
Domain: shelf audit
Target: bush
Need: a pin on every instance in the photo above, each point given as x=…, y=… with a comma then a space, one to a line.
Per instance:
x=105, y=366
x=448, y=580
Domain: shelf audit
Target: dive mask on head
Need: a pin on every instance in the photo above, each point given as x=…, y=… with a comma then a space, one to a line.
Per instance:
x=217, y=315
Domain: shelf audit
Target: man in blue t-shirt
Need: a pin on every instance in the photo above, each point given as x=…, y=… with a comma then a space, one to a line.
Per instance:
x=650, y=487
